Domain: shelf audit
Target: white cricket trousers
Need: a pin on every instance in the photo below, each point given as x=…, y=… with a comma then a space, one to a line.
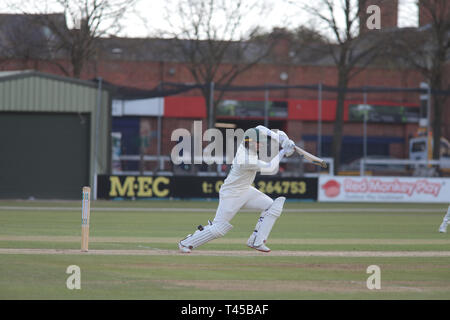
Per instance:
x=230, y=205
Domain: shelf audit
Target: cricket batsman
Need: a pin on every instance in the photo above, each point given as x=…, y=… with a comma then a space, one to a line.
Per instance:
x=237, y=192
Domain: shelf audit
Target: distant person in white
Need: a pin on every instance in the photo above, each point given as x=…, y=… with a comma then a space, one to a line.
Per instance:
x=237, y=192
x=445, y=221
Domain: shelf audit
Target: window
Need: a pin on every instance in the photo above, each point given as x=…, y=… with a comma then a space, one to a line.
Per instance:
x=419, y=146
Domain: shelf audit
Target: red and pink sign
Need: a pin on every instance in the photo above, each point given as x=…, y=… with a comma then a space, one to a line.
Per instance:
x=386, y=189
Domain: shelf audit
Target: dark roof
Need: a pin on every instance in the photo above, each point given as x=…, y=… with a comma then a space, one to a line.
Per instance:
x=169, y=50
x=160, y=49
x=18, y=31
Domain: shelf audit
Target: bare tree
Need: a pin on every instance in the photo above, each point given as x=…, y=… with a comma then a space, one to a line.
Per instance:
x=349, y=50
x=208, y=38
x=427, y=50
x=88, y=20
x=24, y=41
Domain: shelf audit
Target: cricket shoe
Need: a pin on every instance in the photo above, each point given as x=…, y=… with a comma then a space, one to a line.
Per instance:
x=183, y=249
x=443, y=227
x=262, y=247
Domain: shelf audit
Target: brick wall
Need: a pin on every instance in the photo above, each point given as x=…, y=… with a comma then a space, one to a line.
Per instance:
x=148, y=75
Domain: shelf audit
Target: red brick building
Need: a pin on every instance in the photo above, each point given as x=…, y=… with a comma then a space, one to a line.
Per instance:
x=139, y=63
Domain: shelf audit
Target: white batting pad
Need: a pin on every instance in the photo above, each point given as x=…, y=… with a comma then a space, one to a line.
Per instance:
x=266, y=221
x=209, y=232
x=447, y=216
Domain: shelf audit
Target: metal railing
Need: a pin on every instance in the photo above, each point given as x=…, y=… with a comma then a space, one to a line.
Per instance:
x=417, y=165
x=162, y=167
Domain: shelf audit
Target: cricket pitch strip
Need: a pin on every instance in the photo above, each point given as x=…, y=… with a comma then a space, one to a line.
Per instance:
x=234, y=253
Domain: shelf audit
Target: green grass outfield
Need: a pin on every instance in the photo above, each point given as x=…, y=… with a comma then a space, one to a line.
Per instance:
x=319, y=251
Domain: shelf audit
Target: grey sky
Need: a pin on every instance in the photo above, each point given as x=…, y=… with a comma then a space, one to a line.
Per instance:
x=148, y=16
x=282, y=14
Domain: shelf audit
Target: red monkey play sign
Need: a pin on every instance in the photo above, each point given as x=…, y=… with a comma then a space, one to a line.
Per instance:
x=388, y=189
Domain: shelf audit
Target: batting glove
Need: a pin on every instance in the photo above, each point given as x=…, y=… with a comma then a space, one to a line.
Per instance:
x=288, y=143
x=289, y=150
x=283, y=136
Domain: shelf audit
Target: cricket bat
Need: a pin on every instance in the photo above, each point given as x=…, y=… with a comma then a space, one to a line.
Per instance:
x=308, y=156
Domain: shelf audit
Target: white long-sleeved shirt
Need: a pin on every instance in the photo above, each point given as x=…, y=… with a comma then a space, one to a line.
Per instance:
x=243, y=171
